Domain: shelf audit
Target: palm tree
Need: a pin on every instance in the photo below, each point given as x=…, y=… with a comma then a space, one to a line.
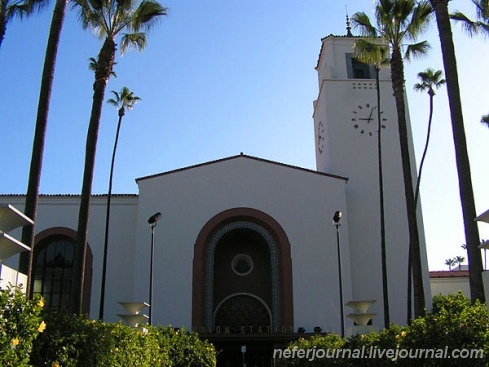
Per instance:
x=450, y=263
x=17, y=8
x=429, y=79
x=400, y=21
x=108, y=19
x=378, y=55
x=462, y=159
x=124, y=99
x=32, y=195
x=459, y=260
x=473, y=27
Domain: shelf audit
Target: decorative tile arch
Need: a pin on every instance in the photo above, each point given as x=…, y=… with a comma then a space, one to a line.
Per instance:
x=281, y=264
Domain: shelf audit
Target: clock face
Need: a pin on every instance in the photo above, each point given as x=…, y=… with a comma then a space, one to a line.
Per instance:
x=364, y=118
x=320, y=137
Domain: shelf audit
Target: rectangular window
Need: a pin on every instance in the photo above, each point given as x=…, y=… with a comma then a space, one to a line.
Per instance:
x=356, y=69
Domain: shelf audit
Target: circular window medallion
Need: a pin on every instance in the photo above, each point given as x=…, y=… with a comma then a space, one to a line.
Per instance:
x=242, y=264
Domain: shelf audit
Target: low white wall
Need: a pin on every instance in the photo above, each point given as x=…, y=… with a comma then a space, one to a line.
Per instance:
x=9, y=276
x=450, y=285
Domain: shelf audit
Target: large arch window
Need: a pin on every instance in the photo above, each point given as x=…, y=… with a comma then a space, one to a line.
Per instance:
x=52, y=273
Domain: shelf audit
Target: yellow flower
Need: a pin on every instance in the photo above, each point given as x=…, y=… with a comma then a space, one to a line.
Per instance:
x=55, y=364
x=403, y=334
x=40, y=303
x=116, y=349
x=42, y=327
x=15, y=342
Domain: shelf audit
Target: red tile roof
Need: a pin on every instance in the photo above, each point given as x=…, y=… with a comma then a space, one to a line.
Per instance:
x=449, y=274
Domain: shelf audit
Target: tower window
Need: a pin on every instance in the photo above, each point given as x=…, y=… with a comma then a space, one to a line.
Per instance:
x=357, y=69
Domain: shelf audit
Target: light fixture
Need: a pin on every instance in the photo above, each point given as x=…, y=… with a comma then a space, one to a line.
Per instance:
x=152, y=223
x=337, y=223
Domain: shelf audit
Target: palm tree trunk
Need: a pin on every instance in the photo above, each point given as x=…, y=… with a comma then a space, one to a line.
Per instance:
x=102, y=74
x=463, y=166
x=107, y=222
x=31, y=200
x=423, y=157
x=397, y=71
x=3, y=21
x=385, y=289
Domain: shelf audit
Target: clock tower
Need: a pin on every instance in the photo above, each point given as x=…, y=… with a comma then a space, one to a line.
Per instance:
x=345, y=125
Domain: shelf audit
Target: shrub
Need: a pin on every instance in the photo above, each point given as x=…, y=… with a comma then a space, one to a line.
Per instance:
x=69, y=341
x=20, y=323
x=328, y=343
x=454, y=324
x=186, y=349
x=76, y=341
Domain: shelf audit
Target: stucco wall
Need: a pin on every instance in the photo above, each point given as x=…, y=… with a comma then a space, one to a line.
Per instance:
x=62, y=211
x=303, y=203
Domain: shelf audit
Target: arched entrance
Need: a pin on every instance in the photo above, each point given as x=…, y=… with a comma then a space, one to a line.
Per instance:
x=242, y=286
x=242, y=250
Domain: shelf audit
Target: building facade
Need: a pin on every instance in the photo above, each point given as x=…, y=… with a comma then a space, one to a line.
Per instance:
x=246, y=253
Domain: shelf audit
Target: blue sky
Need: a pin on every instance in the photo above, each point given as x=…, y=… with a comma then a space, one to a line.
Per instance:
x=219, y=78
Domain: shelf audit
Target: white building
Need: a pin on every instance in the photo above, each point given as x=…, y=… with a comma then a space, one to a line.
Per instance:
x=246, y=251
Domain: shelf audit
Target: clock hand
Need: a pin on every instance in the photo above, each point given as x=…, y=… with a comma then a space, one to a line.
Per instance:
x=371, y=112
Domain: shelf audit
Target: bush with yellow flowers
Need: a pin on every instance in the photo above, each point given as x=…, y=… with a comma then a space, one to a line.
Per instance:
x=77, y=341
x=20, y=324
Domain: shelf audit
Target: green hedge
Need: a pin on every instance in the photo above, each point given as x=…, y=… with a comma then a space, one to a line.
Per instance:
x=76, y=341
x=453, y=324
x=30, y=336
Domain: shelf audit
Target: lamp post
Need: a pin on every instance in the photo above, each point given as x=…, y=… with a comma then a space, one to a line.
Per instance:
x=337, y=224
x=152, y=223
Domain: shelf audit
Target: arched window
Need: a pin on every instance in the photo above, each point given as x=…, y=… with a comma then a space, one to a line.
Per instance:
x=52, y=273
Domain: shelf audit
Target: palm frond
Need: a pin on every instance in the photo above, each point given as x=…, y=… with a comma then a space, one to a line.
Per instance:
x=419, y=20
x=131, y=41
x=370, y=51
x=22, y=8
x=362, y=22
x=482, y=9
x=416, y=50
x=469, y=26
x=480, y=24
x=116, y=98
x=146, y=15
x=91, y=15
x=485, y=120
x=92, y=65
x=113, y=102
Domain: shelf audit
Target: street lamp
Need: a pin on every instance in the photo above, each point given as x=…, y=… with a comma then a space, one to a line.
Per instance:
x=152, y=223
x=337, y=224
